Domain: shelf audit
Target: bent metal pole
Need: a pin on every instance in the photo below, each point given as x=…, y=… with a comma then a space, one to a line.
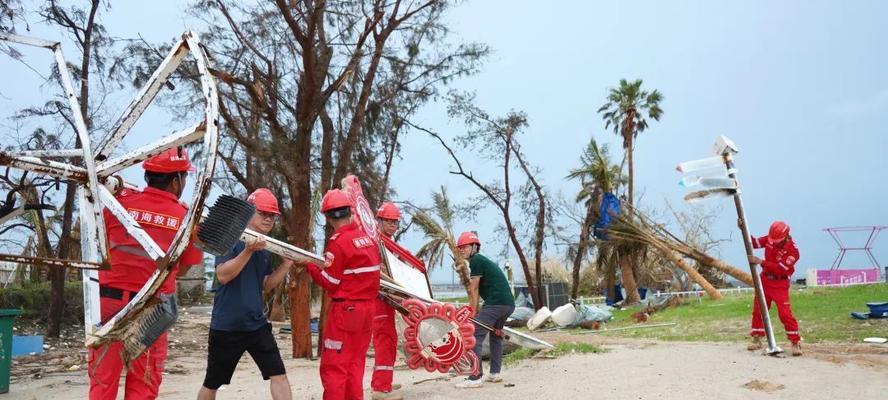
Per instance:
x=772, y=349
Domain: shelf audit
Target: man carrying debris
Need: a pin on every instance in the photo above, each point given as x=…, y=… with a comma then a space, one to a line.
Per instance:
x=157, y=210
x=238, y=322
x=385, y=336
x=489, y=283
x=351, y=278
x=778, y=266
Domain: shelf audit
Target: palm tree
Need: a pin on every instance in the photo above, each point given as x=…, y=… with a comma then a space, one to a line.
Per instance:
x=597, y=176
x=440, y=234
x=627, y=109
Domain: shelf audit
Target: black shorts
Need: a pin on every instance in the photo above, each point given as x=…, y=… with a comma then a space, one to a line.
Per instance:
x=226, y=348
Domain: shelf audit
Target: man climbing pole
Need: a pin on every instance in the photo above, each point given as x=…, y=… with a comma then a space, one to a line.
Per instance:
x=781, y=255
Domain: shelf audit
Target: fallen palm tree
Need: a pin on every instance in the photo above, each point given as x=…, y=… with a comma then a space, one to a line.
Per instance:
x=688, y=250
x=627, y=229
x=636, y=227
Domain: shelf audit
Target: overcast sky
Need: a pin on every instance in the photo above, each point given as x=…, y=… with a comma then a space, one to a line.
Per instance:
x=801, y=87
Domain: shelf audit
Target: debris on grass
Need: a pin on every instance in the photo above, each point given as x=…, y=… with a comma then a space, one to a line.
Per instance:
x=625, y=328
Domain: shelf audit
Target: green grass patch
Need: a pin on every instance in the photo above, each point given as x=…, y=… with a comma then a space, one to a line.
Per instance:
x=561, y=349
x=463, y=300
x=568, y=348
x=823, y=315
x=516, y=356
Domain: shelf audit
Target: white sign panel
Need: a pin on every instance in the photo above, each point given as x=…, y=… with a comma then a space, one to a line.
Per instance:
x=701, y=164
x=411, y=279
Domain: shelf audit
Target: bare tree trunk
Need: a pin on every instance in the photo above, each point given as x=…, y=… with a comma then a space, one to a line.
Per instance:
x=525, y=266
x=581, y=248
x=628, y=132
x=611, y=281
x=327, y=137
x=628, y=279
x=631, y=177
x=299, y=294
x=389, y=160
x=692, y=273
x=57, y=274
x=300, y=230
x=725, y=268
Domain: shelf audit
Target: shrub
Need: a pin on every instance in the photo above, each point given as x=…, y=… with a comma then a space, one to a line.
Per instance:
x=33, y=300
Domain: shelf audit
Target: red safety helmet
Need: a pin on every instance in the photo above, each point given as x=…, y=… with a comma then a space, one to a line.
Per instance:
x=467, y=238
x=333, y=199
x=264, y=200
x=170, y=161
x=779, y=231
x=388, y=210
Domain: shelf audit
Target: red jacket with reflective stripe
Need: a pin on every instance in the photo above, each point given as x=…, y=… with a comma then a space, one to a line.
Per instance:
x=779, y=261
x=352, y=265
x=160, y=214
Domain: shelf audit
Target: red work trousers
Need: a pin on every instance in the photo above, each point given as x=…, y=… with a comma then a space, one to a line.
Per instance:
x=346, y=340
x=106, y=363
x=385, y=346
x=776, y=291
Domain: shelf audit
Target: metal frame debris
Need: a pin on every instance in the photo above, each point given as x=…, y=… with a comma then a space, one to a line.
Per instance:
x=93, y=196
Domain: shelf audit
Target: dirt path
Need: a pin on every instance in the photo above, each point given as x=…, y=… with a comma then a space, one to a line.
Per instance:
x=628, y=370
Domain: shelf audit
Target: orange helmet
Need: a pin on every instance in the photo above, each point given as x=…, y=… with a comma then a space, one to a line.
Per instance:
x=467, y=238
x=171, y=160
x=388, y=210
x=779, y=231
x=333, y=199
x=264, y=200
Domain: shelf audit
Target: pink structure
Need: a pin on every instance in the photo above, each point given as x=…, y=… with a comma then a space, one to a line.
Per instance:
x=867, y=247
x=846, y=276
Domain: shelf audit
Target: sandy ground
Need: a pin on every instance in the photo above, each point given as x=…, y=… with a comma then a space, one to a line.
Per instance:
x=628, y=370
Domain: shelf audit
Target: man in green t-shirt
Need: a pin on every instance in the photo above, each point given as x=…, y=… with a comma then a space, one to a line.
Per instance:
x=489, y=283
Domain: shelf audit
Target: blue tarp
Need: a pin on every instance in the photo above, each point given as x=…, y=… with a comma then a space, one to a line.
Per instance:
x=593, y=313
x=618, y=294
x=610, y=206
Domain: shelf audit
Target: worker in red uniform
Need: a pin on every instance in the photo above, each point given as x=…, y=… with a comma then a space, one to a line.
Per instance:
x=157, y=210
x=781, y=256
x=385, y=336
x=351, y=278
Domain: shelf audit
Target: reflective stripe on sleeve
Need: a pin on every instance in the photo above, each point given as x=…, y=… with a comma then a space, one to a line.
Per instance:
x=360, y=270
x=330, y=278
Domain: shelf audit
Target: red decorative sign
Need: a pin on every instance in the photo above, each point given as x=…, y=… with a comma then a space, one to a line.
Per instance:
x=439, y=337
x=360, y=208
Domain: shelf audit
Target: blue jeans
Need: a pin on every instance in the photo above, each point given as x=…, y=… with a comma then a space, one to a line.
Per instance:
x=494, y=316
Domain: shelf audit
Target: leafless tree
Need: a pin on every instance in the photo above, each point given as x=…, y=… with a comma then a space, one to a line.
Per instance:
x=497, y=139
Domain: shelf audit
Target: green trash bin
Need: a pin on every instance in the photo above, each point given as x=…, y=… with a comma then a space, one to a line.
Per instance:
x=6, y=319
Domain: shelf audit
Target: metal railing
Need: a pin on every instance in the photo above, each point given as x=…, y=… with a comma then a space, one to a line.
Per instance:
x=684, y=294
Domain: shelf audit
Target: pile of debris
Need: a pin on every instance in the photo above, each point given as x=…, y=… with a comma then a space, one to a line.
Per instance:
x=570, y=315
